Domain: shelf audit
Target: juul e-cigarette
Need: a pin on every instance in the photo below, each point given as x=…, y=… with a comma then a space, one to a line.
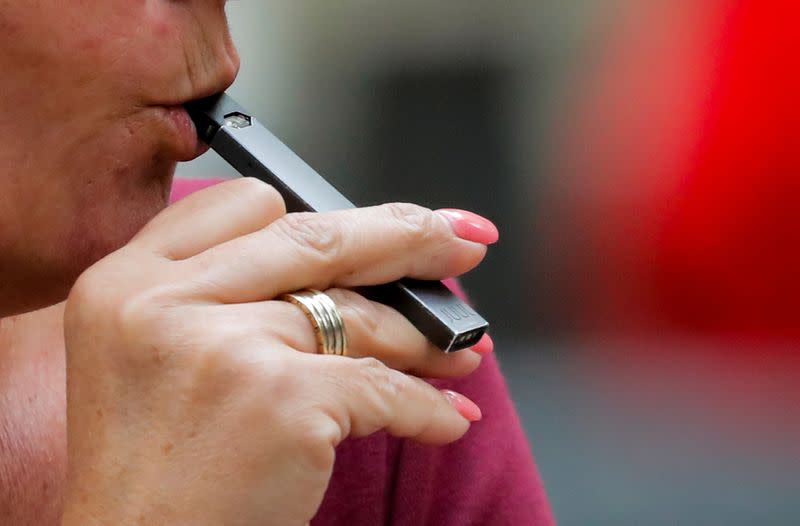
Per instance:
x=232, y=132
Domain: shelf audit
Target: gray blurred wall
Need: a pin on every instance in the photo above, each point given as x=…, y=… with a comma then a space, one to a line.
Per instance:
x=448, y=104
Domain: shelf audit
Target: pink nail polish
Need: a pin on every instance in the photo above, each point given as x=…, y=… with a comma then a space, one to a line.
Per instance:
x=464, y=406
x=484, y=346
x=471, y=227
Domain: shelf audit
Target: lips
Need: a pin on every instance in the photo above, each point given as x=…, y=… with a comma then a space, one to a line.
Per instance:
x=184, y=143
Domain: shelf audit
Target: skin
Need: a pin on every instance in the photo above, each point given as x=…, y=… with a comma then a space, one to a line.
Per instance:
x=88, y=154
x=183, y=371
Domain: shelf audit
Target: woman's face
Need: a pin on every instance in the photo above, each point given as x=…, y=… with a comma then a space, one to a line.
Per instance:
x=90, y=129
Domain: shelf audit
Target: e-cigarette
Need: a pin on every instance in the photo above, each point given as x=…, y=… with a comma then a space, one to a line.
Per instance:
x=232, y=132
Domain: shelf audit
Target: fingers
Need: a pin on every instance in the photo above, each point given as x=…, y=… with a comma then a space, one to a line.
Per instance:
x=211, y=216
x=365, y=396
x=373, y=330
x=346, y=248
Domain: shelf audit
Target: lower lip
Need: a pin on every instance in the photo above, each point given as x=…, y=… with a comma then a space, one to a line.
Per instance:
x=187, y=145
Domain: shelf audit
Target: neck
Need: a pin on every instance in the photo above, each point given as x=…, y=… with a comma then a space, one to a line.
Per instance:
x=32, y=417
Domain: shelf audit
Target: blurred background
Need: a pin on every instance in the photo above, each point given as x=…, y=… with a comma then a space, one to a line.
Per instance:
x=641, y=159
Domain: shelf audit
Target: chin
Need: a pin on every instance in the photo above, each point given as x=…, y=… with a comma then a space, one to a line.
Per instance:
x=115, y=215
x=116, y=185
x=104, y=225
x=110, y=215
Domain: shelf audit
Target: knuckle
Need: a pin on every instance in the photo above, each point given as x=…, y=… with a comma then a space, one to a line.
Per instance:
x=387, y=383
x=83, y=294
x=96, y=300
x=416, y=221
x=255, y=193
x=308, y=409
x=396, y=384
x=317, y=439
x=314, y=237
x=134, y=328
x=431, y=395
x=141, y=316
x=261, y=191
x=372, y=368
x=93, y=296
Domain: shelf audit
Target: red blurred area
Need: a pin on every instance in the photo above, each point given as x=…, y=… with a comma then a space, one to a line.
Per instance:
x=679, y=190
x=676, y=217
x=729, y=253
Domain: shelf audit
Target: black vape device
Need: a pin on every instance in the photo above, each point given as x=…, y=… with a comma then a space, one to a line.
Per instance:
x=232, y=132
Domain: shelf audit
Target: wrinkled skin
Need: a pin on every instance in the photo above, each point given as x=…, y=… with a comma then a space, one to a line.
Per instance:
x=87, y=158
x=87, y=149
x=184, y=373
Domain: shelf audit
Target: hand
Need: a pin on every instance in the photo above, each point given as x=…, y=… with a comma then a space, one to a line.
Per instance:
x=194, y=397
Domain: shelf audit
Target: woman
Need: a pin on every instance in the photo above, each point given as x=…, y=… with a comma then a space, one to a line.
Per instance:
x=194, y=394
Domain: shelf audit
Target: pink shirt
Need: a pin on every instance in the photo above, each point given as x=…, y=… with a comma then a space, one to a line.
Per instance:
x=488, y=478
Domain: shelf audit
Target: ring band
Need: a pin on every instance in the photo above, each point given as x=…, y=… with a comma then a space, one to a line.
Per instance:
x=324, y=316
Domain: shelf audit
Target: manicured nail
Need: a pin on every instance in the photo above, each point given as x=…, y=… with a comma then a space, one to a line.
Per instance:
x=464, y=406
x=484, y=346
x=471, y=227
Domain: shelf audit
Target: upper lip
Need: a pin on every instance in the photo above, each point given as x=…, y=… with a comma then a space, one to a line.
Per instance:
x=200, y=94
x=185, y=153
x=221, y=81
x=203, y=93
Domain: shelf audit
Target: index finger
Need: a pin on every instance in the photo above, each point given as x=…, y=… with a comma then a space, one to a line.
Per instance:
x=346, y=248
x=210, y=217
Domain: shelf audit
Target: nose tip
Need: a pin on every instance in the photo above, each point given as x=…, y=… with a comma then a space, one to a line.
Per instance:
x=226, y=62
x=233, y=61
x=229, y=66
x=215, y=63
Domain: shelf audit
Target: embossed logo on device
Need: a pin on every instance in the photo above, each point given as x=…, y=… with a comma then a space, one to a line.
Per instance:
x=457, y=313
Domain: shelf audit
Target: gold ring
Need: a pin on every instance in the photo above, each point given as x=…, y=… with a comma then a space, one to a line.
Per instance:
x=325, y=318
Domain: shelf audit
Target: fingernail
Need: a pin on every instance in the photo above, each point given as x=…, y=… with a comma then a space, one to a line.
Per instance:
x=471, y=227
x=484, y=346
x=464, y=406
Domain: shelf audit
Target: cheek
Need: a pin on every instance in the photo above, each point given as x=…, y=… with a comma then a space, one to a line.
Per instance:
x=10, y=27
x=149, y=57
x=70, y=49
x=121, y=47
